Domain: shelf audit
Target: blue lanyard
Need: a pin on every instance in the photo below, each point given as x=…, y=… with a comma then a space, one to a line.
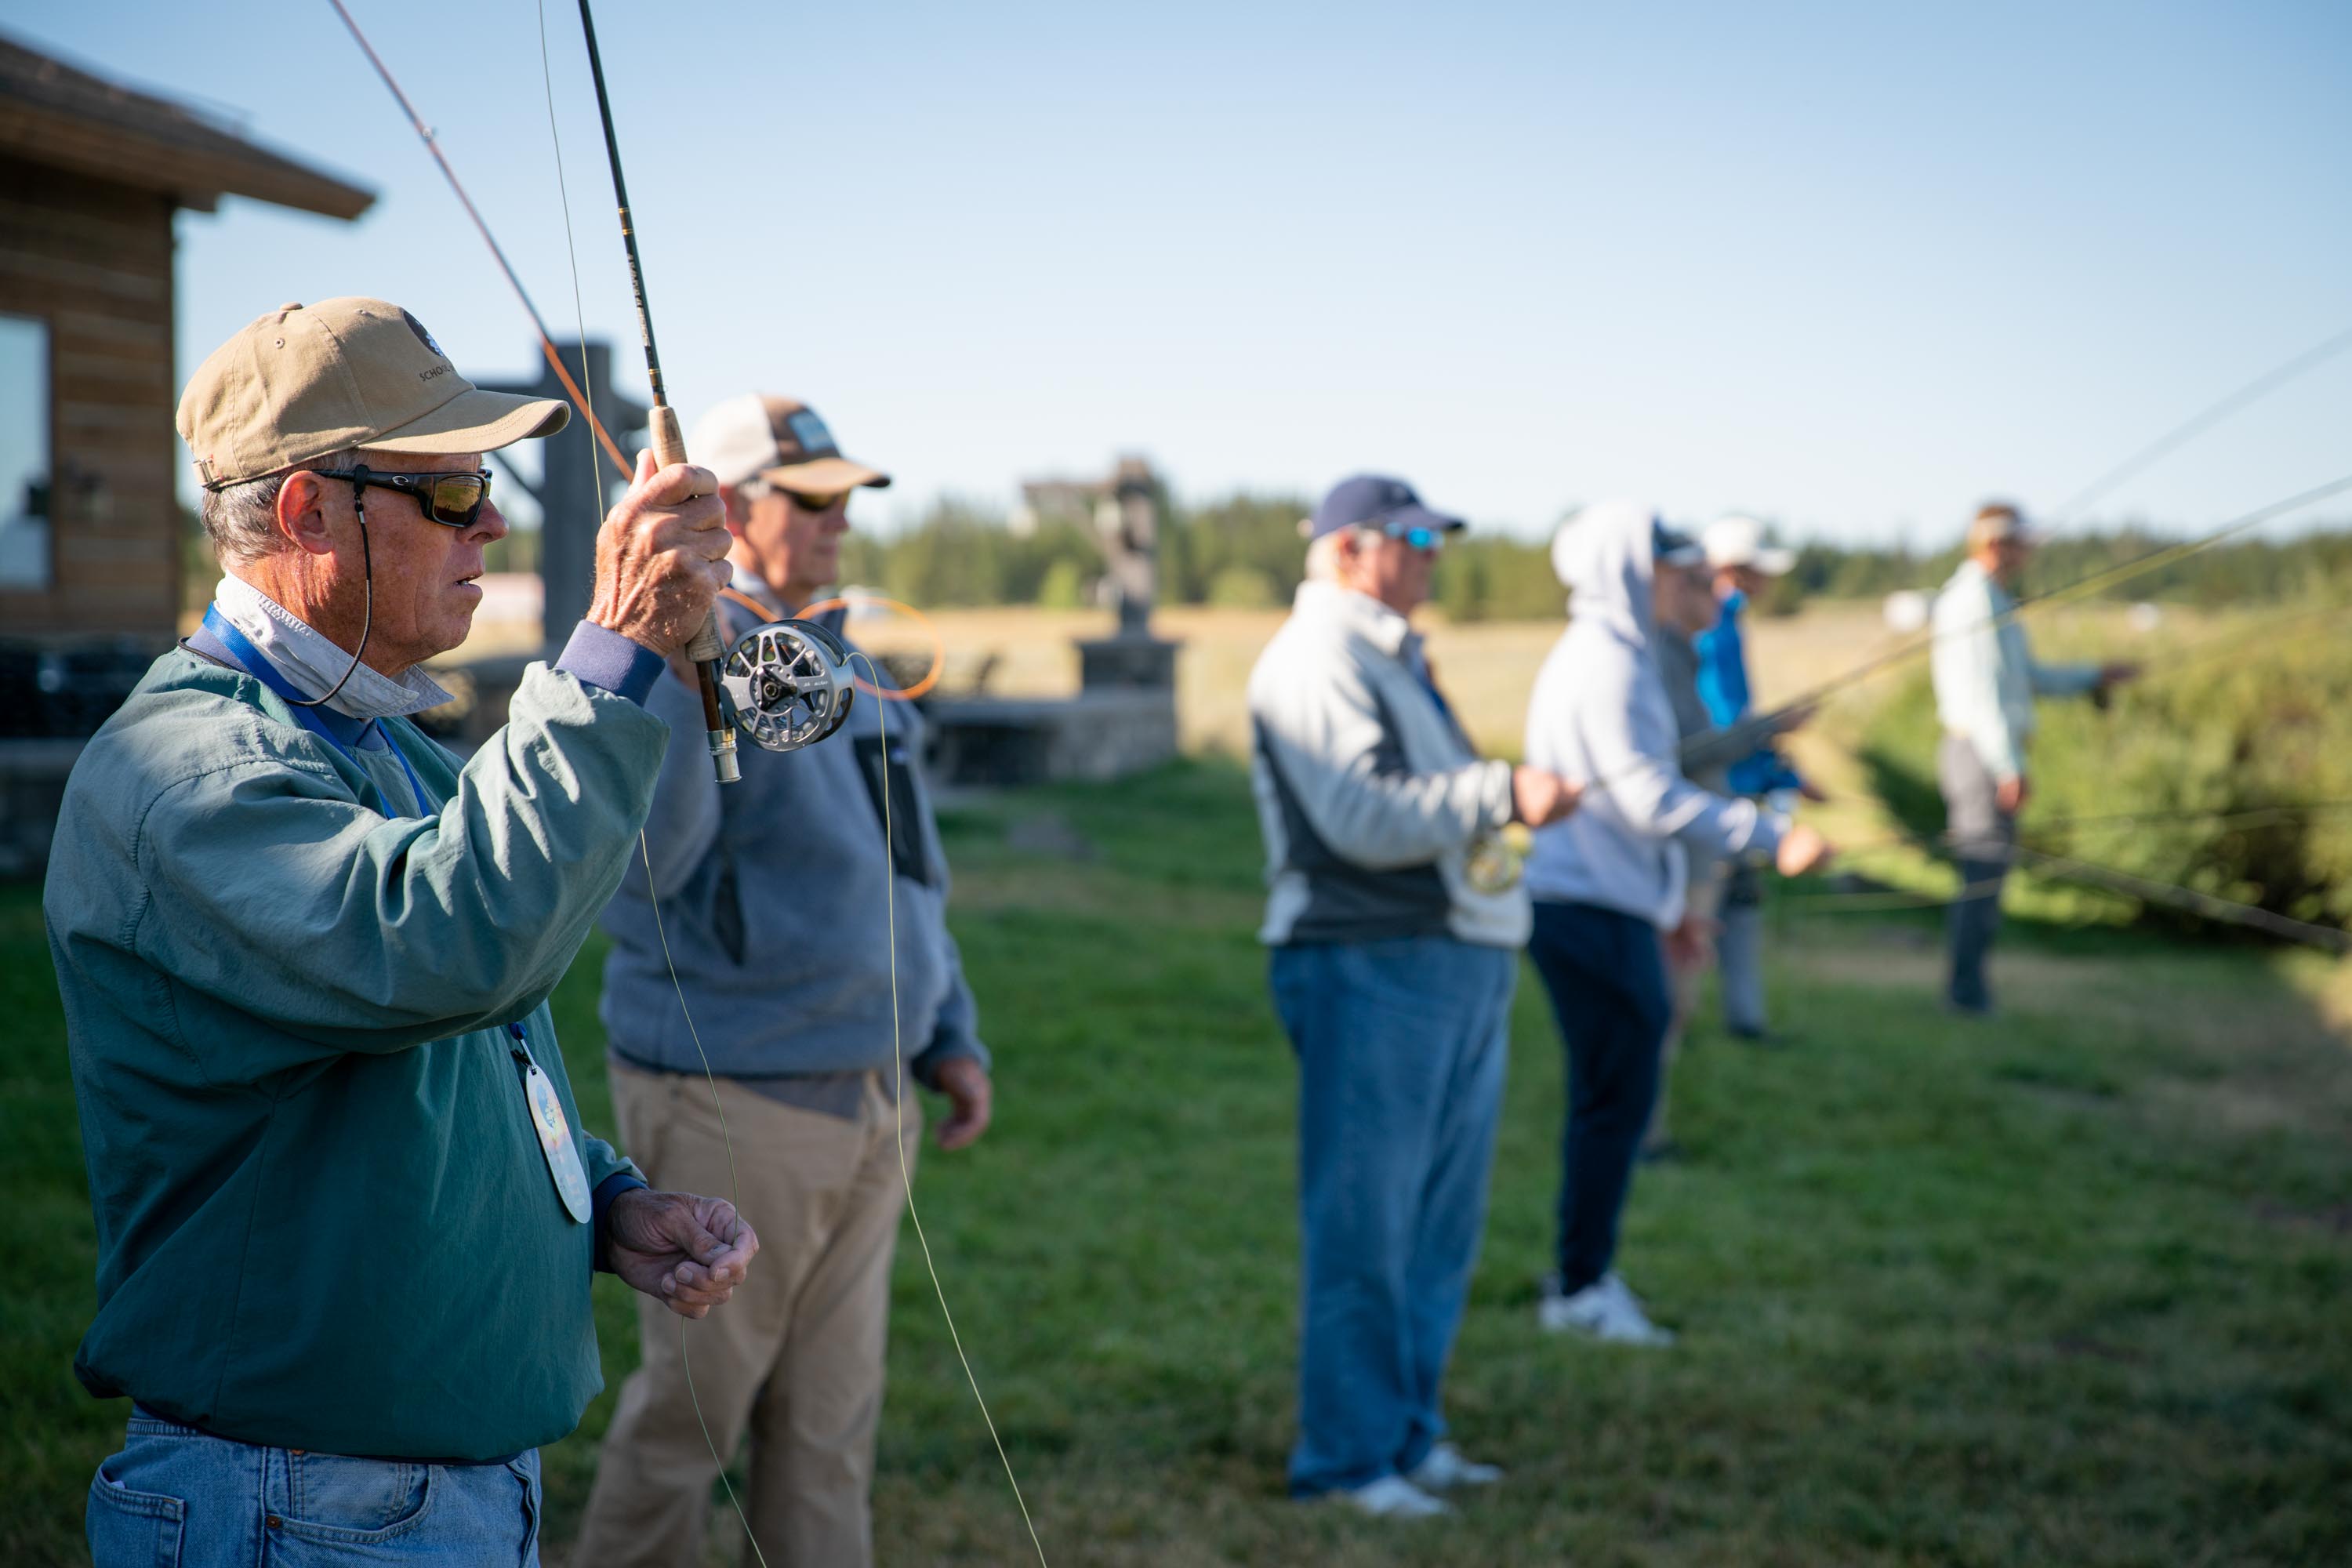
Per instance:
x=261, y=670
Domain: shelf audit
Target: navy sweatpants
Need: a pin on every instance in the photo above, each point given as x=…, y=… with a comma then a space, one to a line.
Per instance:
x=1606, y=974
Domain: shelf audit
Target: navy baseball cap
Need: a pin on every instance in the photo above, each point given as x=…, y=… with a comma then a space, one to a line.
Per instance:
x=1375, y=499
x=1673, y=547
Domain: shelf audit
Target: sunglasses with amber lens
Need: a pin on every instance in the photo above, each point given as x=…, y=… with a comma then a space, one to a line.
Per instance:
x=820, y=500
x=455, y=498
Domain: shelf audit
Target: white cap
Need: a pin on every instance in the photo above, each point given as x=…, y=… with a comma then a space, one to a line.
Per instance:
x=780, y=439
x=1740, y=541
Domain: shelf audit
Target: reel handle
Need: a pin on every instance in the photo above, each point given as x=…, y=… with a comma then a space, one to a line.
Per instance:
x=706, y=649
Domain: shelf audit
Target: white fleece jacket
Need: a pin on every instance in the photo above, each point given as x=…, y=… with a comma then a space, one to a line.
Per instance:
x=1601, y=715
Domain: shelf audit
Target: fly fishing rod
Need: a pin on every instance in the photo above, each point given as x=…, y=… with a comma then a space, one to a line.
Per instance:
x=706, y=649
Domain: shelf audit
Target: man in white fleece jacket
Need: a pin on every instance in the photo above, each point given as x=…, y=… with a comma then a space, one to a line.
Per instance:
x=1395, y=923
x=1610, y=883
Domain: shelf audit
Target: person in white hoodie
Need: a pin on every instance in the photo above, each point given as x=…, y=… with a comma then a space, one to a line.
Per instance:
x=1395, y=920
x=1610, y=885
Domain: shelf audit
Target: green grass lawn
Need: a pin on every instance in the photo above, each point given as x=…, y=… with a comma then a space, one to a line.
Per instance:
x=2072, y=1289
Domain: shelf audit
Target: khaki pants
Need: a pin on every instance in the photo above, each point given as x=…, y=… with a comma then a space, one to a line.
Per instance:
x=793, y=1360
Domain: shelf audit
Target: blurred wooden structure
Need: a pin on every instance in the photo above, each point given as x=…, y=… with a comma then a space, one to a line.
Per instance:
x=91, y=175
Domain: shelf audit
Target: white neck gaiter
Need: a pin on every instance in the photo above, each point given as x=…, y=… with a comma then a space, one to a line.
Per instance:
x=312, y=662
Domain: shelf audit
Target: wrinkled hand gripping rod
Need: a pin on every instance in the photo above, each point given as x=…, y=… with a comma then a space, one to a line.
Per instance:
x=669, y=444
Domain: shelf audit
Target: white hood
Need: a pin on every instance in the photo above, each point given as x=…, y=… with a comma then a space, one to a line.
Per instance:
x=1602, y=557
x=1600, y=713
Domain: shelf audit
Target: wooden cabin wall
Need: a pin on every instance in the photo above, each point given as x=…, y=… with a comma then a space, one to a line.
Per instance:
x=93, y=261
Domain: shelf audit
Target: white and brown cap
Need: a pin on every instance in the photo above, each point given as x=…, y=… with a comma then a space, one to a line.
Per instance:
x=779, y=440
x=306, y=381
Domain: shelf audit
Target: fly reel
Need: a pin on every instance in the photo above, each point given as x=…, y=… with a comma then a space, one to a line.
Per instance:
x=787, y=684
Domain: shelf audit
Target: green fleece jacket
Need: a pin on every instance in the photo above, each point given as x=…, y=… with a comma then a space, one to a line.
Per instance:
x=324, y=1221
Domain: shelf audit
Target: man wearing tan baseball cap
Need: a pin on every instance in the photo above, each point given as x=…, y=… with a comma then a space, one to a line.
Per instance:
x=773, y=895
x=1985, y=679
x=344, y=1203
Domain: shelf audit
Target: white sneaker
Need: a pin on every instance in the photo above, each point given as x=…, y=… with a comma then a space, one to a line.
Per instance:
x=1443, y=1468
x=1392, y=1497
x=1606, y=1310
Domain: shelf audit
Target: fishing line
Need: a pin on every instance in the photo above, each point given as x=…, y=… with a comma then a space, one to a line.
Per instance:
x=898, y=1061
x=924, y=623
x=2180, y=434
x=889, y=873
x=425, y=134
x=1864, y=900
x=2105, y=577
x=2263, y=629
x=2216, y=816
x=653, y=897
x=2227, y=910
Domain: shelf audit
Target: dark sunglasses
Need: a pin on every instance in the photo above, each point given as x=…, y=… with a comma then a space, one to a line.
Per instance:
x=820, y=502
x=454, y=498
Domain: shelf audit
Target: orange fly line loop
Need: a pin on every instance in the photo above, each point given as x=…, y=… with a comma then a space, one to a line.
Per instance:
x=810, y=612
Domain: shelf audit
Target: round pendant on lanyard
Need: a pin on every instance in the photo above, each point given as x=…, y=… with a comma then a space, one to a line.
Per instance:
x=788, y=684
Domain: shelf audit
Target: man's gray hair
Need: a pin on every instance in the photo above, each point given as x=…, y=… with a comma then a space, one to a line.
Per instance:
x=242, y=519
x=1323, y=558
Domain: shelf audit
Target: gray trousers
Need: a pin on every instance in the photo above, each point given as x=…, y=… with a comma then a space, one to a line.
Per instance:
x=1982, y=837
x=1739, y=952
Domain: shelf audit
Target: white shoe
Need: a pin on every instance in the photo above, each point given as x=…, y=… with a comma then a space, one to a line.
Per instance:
x=1445, y=1469
x=1605, y=1309
x=1392, y=1497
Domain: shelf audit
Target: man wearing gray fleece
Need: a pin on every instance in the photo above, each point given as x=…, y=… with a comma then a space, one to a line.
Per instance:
x=775, y=894
x=1610, y=882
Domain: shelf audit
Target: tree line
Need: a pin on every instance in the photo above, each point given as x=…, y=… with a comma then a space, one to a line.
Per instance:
x=1244, y=551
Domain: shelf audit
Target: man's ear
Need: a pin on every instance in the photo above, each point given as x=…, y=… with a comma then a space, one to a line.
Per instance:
x=304, y=501
x=739, y=508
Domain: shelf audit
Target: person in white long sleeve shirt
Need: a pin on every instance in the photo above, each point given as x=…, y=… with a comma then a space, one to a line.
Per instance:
x=1986, y=681
x=1611, y=884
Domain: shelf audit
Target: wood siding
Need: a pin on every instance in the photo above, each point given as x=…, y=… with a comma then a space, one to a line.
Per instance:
x=93, y=261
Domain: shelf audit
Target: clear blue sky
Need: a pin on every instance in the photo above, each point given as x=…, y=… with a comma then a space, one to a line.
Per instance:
x=1850, y=267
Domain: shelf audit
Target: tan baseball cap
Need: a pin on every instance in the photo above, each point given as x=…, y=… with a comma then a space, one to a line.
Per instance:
x=306, y=381
x=1996, y=522
x=778, y=440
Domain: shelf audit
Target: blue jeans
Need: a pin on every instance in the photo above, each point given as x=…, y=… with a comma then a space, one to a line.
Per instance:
x=1606, y=972
x=179, y=1498
x=1401, y=1047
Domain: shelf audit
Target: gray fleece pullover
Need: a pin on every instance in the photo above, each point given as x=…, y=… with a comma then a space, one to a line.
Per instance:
x=775, y=898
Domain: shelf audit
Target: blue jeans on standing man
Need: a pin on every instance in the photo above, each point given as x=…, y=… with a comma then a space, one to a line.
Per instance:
x=176, y=1497
x=1606, y=971
x=1401, y=1046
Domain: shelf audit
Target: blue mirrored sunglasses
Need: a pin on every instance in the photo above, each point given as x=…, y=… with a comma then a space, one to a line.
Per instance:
x=1420, y=536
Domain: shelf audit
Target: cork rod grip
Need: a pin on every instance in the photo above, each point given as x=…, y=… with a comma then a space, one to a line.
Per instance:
x=706, y=649
x=669, y=449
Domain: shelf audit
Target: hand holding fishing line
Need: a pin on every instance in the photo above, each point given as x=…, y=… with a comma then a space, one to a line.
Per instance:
x=689, y=1252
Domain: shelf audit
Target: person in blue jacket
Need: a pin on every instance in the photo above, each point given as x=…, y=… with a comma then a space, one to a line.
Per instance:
x=1743, y=566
